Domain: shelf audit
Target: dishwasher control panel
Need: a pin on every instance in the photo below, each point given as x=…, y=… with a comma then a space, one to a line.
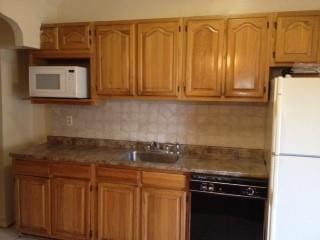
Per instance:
x=230, y=186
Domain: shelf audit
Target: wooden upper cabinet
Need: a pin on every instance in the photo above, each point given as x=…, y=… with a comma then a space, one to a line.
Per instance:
x=49, y=38
x=204, y=57
x=159, y=52
x=70, y=208
x=75, y=36
x=163, y=214
x=247, y=57
x=118, y=216
x=297, y=38
x=115, y=51
x=32, y=195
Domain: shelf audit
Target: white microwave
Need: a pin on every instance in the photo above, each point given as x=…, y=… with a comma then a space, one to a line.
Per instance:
x=58, y=81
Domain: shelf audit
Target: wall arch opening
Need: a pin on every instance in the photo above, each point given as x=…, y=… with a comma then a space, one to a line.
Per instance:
x=10, y=33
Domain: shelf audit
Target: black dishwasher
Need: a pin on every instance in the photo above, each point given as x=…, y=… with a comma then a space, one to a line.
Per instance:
x=227, y=208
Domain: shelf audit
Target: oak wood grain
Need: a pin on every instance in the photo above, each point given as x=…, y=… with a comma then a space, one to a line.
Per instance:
x=297, y=38
x=164, y=180
x=247, y=58
x=32, y=205
x=70, y=208
x=118, y=211
x=159, y=56
x=205, y=40
x=163, y=214
x=115, y=51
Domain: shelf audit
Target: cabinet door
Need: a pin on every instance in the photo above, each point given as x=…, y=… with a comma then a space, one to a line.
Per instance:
x=247, y=58
x=70, y=208
x=118, y=212
x=158, y=58
x=74, y=36
x=163, y=214
x=297, y=38
x=115, y=60
x=32, y=195
x=49, y=38
x=204, y=59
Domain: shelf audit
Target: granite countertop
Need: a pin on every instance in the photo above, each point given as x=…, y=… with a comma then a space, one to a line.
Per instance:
x=198, y=159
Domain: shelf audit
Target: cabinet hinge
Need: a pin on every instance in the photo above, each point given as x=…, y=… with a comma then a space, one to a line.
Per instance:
x=274, y=54
x=186, y=28
x=185, y=89
x=268, y=24
x=275, y=25
x=179, y=28
x=178, y=88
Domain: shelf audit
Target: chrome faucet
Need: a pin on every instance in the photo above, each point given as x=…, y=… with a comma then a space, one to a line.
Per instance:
x=155, y=145
x=169, y=148
x=172, y=148
x=152, y=146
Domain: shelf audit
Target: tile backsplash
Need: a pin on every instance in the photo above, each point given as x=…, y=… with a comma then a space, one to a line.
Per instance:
x=186, y=123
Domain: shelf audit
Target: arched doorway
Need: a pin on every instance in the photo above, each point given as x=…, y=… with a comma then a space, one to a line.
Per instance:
x=10, y=40
x=10, y=33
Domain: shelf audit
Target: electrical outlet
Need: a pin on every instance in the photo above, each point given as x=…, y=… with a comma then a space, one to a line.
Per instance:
x=69, y=120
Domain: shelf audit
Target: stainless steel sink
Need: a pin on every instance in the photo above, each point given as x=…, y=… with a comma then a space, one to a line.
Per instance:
x=153, y=156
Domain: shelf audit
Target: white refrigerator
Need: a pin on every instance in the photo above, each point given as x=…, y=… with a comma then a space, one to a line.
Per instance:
x=294, y=195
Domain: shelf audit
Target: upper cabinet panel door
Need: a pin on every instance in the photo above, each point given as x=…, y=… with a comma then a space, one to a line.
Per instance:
x=33, y=205
x=204, y=59
x=70, y=208
x=297, y=39
x=115, y=60
x=247, y=58
x=49, y=38
x=158, y=58
x=75, y=36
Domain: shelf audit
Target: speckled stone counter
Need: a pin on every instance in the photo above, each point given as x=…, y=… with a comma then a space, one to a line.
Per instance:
x=199, y=159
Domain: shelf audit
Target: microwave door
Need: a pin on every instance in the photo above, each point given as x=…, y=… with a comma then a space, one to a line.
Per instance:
x=49, y=83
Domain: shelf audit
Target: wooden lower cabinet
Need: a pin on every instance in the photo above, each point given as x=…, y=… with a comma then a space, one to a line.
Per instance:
x=163, y=214
x=87, y=202
x=118, y=216
x=70, y=208
x=32, y=204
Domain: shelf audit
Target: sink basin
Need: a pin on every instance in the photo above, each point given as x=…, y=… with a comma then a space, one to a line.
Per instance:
x=153, y=156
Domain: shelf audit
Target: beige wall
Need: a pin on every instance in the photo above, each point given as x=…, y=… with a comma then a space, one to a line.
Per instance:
x=21, y=122
x=87, y=10
x=26, y=18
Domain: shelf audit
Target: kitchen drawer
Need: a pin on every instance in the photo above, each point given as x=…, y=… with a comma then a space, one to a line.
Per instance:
x=164, y=180
x=118, y=175
x=31, y=168
x=71, y=170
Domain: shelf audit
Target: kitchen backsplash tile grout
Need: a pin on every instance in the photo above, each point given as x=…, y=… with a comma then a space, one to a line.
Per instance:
x=186, y=123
